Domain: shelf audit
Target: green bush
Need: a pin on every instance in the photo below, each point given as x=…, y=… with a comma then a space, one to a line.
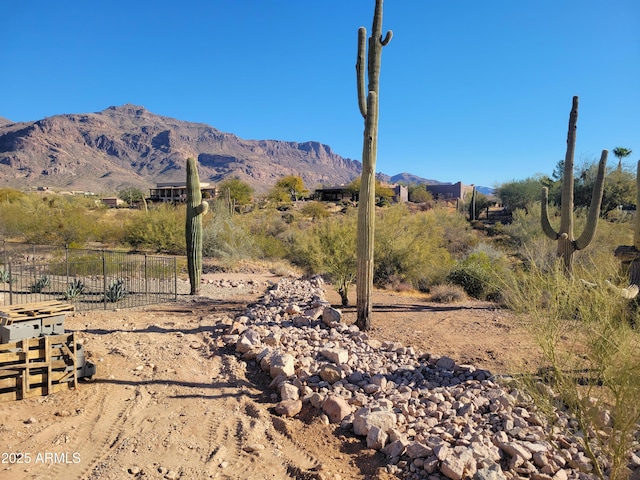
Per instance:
x=329, y=247
x=161, y=229
x=225, y=236
x=479, y=272
x=410, y=248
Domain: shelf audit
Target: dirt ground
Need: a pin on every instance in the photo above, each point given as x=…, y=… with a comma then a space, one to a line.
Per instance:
x=168, y=401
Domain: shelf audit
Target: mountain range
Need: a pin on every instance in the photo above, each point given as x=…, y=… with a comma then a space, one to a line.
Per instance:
x=128, y=146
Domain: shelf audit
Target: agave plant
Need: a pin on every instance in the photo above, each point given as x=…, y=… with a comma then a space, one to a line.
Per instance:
x=40, y=284
x=5, y=277
x=74, y=289
x=116, y=291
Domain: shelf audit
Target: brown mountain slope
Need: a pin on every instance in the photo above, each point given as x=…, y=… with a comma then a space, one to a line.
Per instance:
x=128, y=146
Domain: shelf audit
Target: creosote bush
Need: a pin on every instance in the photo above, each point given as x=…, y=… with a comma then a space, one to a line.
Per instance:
x=225, y=236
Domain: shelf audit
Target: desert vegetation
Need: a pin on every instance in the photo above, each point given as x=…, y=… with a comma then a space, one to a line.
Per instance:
x=587, y=331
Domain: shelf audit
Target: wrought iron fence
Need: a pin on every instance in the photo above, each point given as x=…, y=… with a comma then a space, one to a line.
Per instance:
x=90, y=279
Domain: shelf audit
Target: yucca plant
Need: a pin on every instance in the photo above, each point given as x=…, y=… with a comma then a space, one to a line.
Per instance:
x=40, y=284
x=116, y=291
x=74, y=289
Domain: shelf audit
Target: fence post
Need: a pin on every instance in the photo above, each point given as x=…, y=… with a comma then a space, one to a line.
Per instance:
x=66, y=260
x=146, y=279
x=104, y=280
x=175, y=279
x=10, y=285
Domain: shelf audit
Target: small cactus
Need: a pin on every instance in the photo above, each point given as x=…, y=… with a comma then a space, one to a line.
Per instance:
x=567, y=245
x=196, y=208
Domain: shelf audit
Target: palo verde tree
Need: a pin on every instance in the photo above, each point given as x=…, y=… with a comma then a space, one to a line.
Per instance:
x=567, y=245
x=368, y=104
x=196, y=208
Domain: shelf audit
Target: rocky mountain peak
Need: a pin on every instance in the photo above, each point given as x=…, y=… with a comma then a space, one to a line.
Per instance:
x=127, y=145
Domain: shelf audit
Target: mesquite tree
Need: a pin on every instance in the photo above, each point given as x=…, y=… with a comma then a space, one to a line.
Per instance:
x=196, y=208
x=368, y=104
x=567, y=245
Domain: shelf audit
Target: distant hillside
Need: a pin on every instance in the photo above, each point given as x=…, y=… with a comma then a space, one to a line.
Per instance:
x=4, y=121
x=409, y=178
x=129, y=146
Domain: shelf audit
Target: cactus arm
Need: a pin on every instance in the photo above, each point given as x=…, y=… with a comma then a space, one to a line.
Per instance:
x=387, y=38
x=544, y=216
x=594, y=209
x=202, y=208
x=360, y=70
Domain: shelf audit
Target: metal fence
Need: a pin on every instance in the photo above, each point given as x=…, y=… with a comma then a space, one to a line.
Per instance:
x=89, y=279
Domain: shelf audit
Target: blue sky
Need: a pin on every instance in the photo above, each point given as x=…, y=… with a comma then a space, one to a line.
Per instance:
x=478, y=92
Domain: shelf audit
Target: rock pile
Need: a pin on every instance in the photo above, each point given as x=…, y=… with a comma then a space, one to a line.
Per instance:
x=432, y=417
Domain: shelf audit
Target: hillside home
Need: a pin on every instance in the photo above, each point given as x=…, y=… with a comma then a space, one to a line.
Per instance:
x=342, y=192
x=177, y=192
x=113, y=202
x=448, y=191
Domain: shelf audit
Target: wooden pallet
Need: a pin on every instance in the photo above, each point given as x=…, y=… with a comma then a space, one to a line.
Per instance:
x=38, y=366
x=30, y=311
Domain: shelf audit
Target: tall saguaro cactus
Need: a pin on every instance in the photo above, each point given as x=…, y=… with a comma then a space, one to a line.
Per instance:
x=567, y=245
x=368, y=104
x=196, y=208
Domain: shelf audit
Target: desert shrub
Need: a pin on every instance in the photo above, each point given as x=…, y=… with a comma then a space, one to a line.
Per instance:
x=447, y=293
x=329, y=247
x=457, y=236
x=269, y=232
x=525, y=225
x=315, y=210
x=590, y=362
x=54, y=219
x=409, y=248
x=160, y=229
x=479, y=273
x=225, y=236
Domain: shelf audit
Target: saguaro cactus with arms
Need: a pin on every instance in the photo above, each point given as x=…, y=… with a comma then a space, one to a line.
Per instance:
x=567, y=245
x=368, y=104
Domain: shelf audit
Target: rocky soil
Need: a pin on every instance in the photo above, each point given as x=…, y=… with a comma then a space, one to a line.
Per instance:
x=236, y=385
